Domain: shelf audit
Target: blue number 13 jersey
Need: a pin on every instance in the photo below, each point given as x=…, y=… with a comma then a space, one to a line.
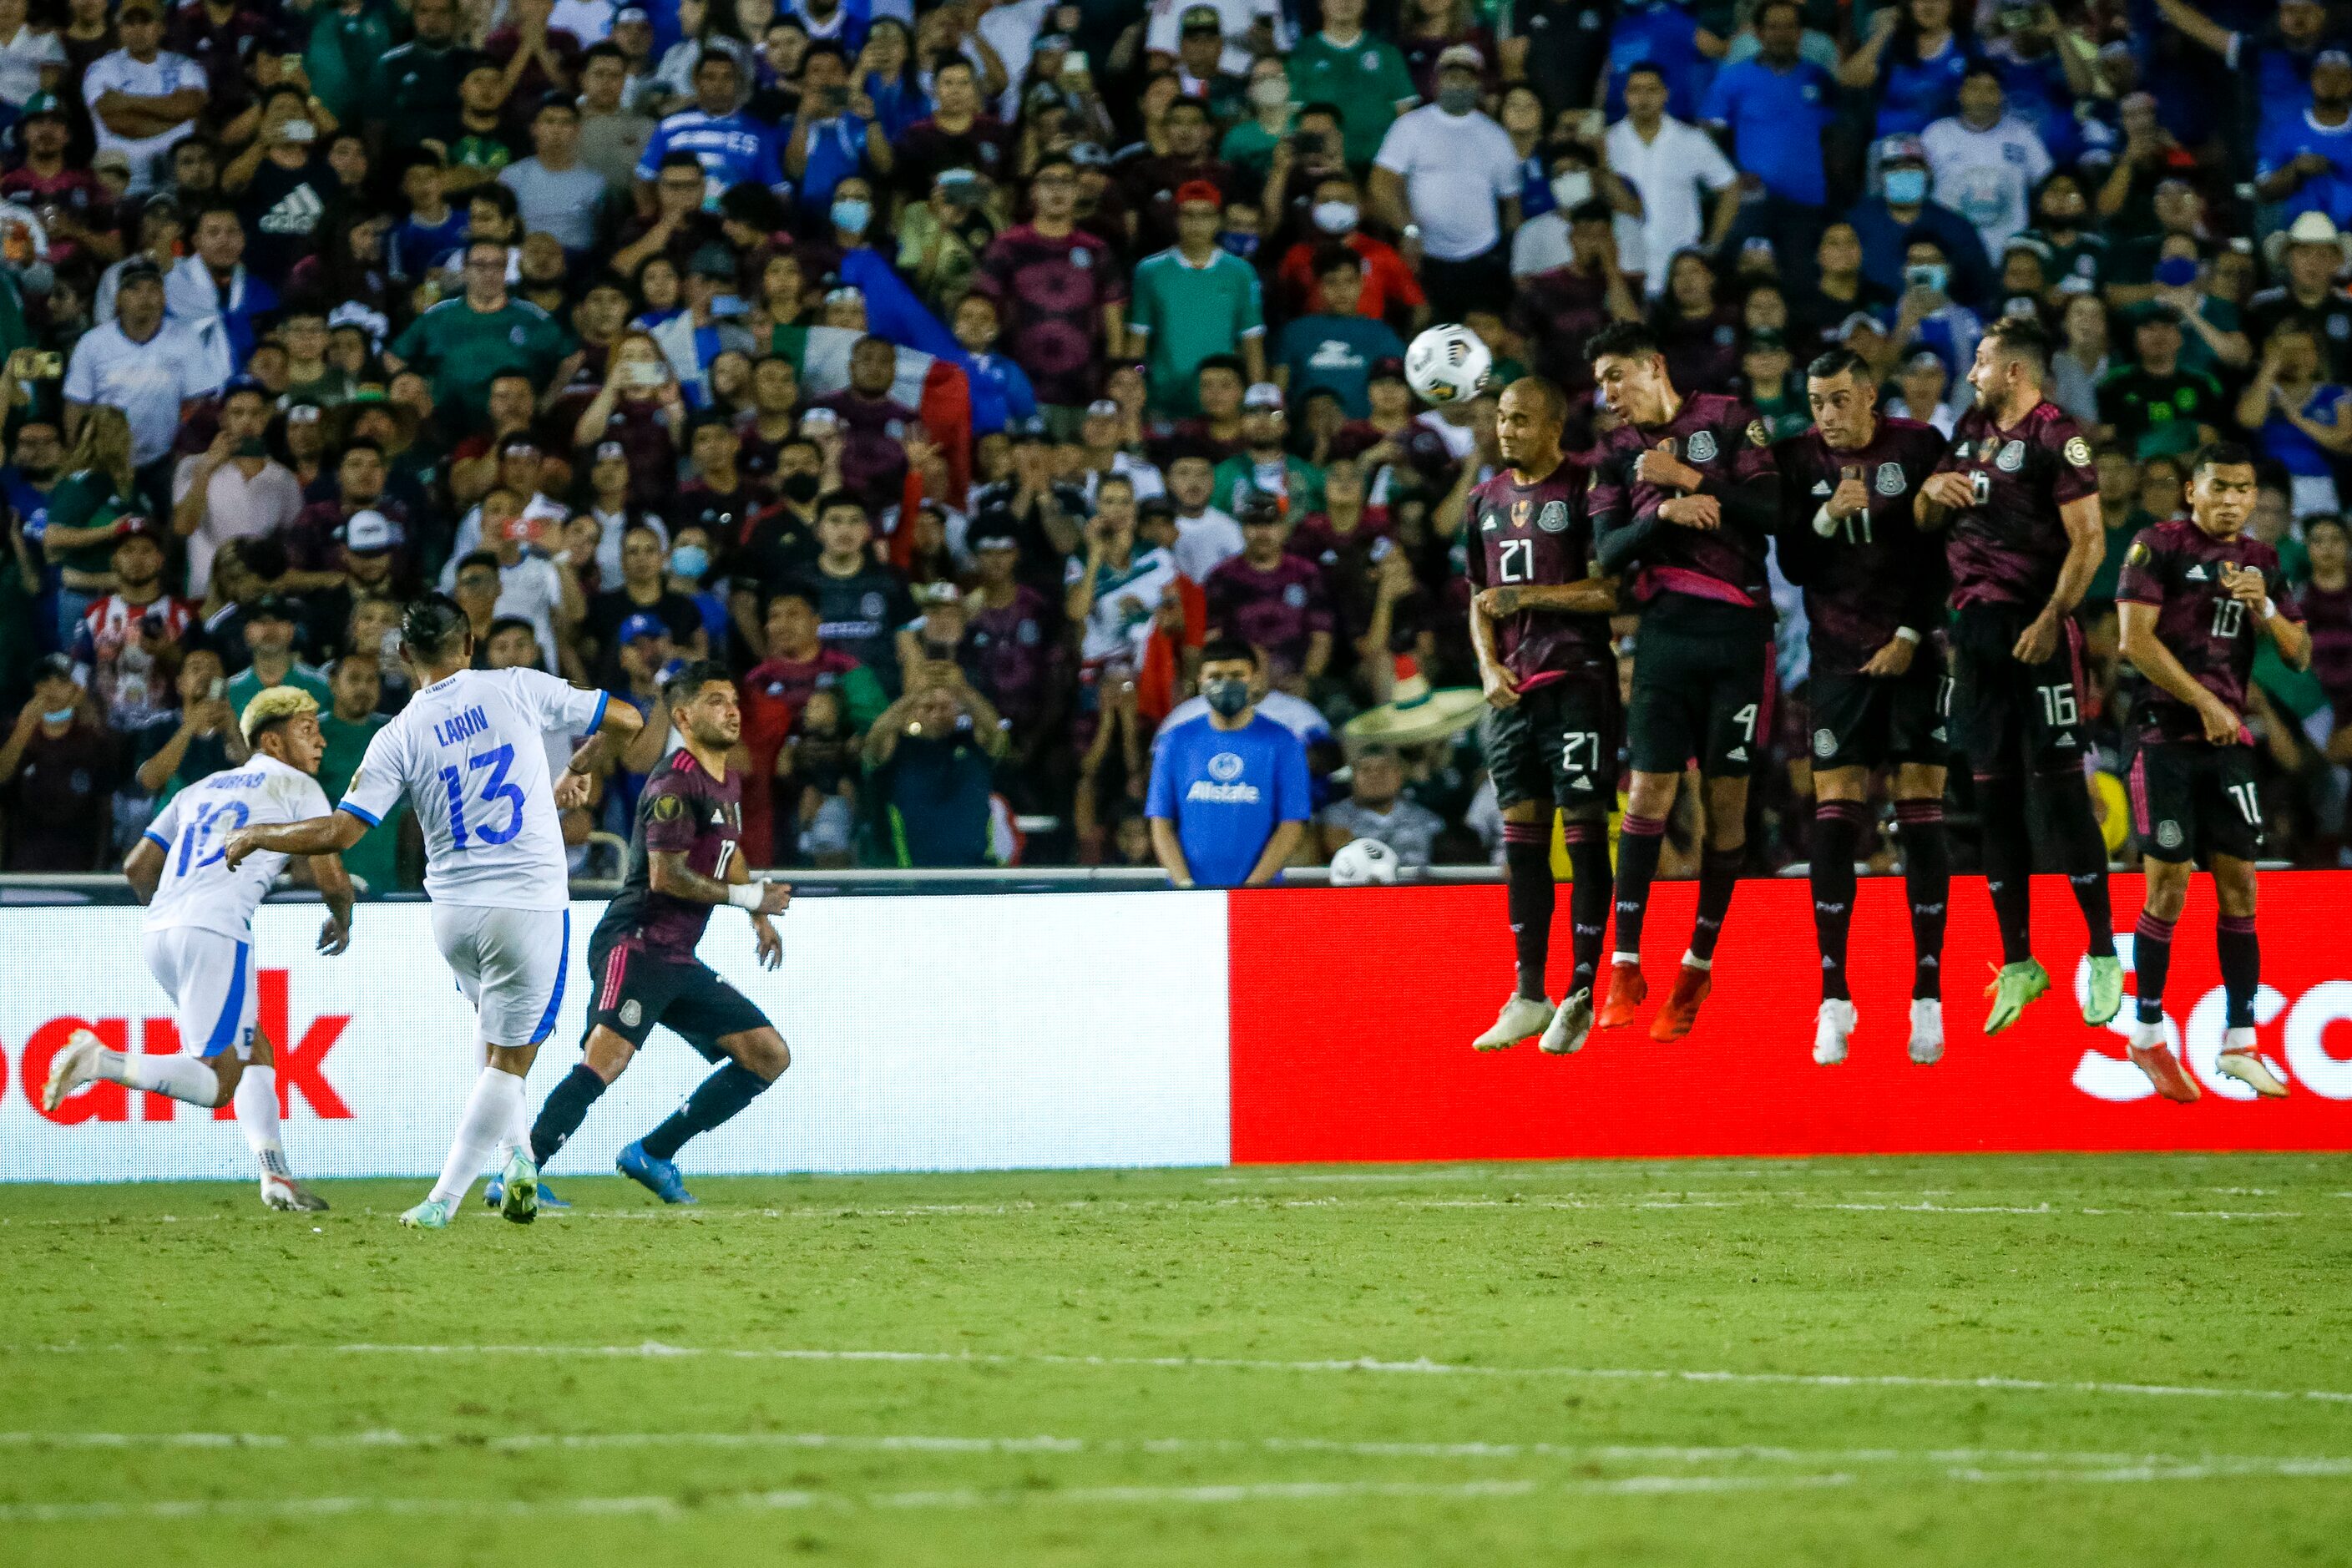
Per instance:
x=467, y=752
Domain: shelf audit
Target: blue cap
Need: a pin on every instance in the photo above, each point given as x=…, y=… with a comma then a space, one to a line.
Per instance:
x=642, y=625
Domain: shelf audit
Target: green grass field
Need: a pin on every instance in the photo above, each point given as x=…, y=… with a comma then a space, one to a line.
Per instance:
x=2072, y=1361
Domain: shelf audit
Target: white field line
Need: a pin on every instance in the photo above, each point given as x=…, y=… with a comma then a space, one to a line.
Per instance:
x=1988, y=1460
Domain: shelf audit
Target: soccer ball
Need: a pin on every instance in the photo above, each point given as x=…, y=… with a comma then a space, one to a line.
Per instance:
x=1447, y=364
x=1363, y=860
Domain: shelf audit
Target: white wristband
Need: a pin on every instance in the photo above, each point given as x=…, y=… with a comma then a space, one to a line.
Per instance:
x=1823, y=523
x=1905, y=634
x=2269, y=610
x=747, y=895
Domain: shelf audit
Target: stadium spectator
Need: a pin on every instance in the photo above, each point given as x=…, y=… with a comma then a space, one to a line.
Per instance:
x=1448, y=178
x=1376, y=808
x=1228, y=798
x=1669, y=162
x=58, y=767
x=929, y=765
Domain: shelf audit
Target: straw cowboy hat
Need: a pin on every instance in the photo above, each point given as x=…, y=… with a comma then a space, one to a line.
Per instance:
x=1418, y=713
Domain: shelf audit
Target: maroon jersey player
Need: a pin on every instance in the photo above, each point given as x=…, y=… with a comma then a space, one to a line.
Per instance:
x=1874, y=592
x=684, y=859
x=1684, y=500
x=2019, y=501
x=1539, y=624
x=2196, y=596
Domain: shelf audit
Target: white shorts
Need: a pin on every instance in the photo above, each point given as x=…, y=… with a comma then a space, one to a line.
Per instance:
x=214, y=990
x=510, y=965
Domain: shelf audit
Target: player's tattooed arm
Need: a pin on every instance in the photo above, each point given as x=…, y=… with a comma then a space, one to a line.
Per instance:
x=1594, y=596
x=669, y=874
x=1944, y=494
x=767, y=945
x=621, y=725
x=1502, y=688
x=2153, y=659
x=328, y=834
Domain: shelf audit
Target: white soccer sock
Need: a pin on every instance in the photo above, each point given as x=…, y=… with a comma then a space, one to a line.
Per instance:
x=256, y=1115
x=182, y=1078
x=1693, y=960
x=489, y=1119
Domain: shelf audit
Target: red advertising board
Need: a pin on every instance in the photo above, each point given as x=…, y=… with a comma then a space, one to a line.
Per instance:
x=1352, y=1012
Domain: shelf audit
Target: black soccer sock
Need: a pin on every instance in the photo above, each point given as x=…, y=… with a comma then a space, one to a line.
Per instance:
x=566, y=1108
x=1588, y=899
x=713, y=1101
x=2007, y=862
x=2151, y=961
x=1837, y=832
x=2082, y=850
x=1639, y=841
x=2241, y=952
x=1718, y=878
x=1927, y=883
x=1528, y=896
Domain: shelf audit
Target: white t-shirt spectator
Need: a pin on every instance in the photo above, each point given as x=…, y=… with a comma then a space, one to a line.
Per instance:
x=532, y=590
x=21, y=59
x=1672, y=172
x=164, y=75
x=1011, y=29
x=1987, y=176
x=589, y=21
x=1406, y=827
x=1456, y=167
x=1234, y=19
x=147, y=381
x=235, y=508
x=1126, y=600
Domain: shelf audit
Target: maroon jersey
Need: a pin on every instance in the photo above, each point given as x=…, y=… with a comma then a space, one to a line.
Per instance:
x=2328, y=616
x=1539, y=535
x=1723, y=439
x=2008, y=547
x=1051, y=293
x=1878, y=572
x=1278, y=609
x=682, y=811
x=2177, y=567
x=1011, y=654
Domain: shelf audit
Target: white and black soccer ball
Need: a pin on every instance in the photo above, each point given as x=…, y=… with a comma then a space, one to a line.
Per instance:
x=1362, y=861
x=1447, y=364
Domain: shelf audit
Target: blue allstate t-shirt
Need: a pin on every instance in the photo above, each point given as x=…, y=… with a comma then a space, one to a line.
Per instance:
x=1226, y=791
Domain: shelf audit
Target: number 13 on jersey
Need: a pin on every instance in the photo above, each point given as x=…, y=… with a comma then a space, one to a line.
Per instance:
x=495, y=791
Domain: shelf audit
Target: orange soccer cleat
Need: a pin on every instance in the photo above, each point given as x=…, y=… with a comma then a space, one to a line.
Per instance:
x=1626, y=991
x=2153, y=1056
x=1680, y=1009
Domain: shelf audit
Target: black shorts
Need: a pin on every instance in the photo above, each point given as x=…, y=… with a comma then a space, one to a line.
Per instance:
x=2191, y=801
x=1557, y=743
x=2010, y=718
x=1872, y=721
x=637, y=988
x=1699, y=695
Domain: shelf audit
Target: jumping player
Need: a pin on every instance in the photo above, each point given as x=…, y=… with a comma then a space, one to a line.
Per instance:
x=684, y=859
x=2020, y=498
x=1684, y=500
x=199, y=934
x=1873, y=591
x=1539, y=622
x=2196, y=596
x=470, y=753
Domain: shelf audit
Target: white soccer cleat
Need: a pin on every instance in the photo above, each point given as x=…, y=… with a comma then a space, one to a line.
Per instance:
x=286, y=1194
x=1565, y=1034
x=1520, y=1016
x=72, y=1067
x=1831, y=1028
x=2241, y=1061
x=1926, y=1030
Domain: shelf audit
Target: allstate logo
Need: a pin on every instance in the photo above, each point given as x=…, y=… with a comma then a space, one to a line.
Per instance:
x=1224, y=767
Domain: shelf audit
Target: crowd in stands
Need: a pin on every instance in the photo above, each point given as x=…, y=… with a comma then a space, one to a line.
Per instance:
x=953, y=371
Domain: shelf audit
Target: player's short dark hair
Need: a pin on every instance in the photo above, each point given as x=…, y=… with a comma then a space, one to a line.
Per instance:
x=1554, y=401
x=1837, y=362
x=831, y=499
x=1223, y=649
x=2221, y=455
x=2024, y=339
x=434, y=626
x=685, y=683
x=1621, y=340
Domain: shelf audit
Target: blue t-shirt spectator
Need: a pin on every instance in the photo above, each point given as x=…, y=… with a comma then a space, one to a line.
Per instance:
x=733, y=148
x=1776, y=114
x=2037, y=92
x=836, y=151
x=1665, y=36
x=2330, y=192
x=417, y=249
x=1227, y=791
x=1912, y=93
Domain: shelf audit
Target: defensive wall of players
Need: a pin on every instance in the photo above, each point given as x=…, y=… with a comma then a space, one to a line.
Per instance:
x=1163, y=1028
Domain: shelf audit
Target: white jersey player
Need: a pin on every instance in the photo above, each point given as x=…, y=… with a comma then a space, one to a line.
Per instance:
x=466, y=753
x=199, y=934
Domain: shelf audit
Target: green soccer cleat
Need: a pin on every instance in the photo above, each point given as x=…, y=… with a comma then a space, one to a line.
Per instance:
x=432, y=1214
x=2013, y=985
x=2106, y=996
x=520, y=1179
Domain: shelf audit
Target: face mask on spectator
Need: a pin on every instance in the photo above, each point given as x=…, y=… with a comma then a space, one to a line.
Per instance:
x=851, y=214
x=1227, y=697
x=690, y=561
x=801, y=488
x=1457, y=100
x=1571, y=188
x=1242, y=245
x=1336, y=218
x=1907, y=187
x=1931, y=276
x=57, y=715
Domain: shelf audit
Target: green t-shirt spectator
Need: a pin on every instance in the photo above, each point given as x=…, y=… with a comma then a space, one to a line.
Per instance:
x=341, y=54
x=462, y=348
x=1300, y=482
x=1192, y=312
x=2156, y=415
x=375, y=858
x=85, y=500
x=1248, y=150
x=1365, y=81
x=244, y=686
x=1336, y=351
